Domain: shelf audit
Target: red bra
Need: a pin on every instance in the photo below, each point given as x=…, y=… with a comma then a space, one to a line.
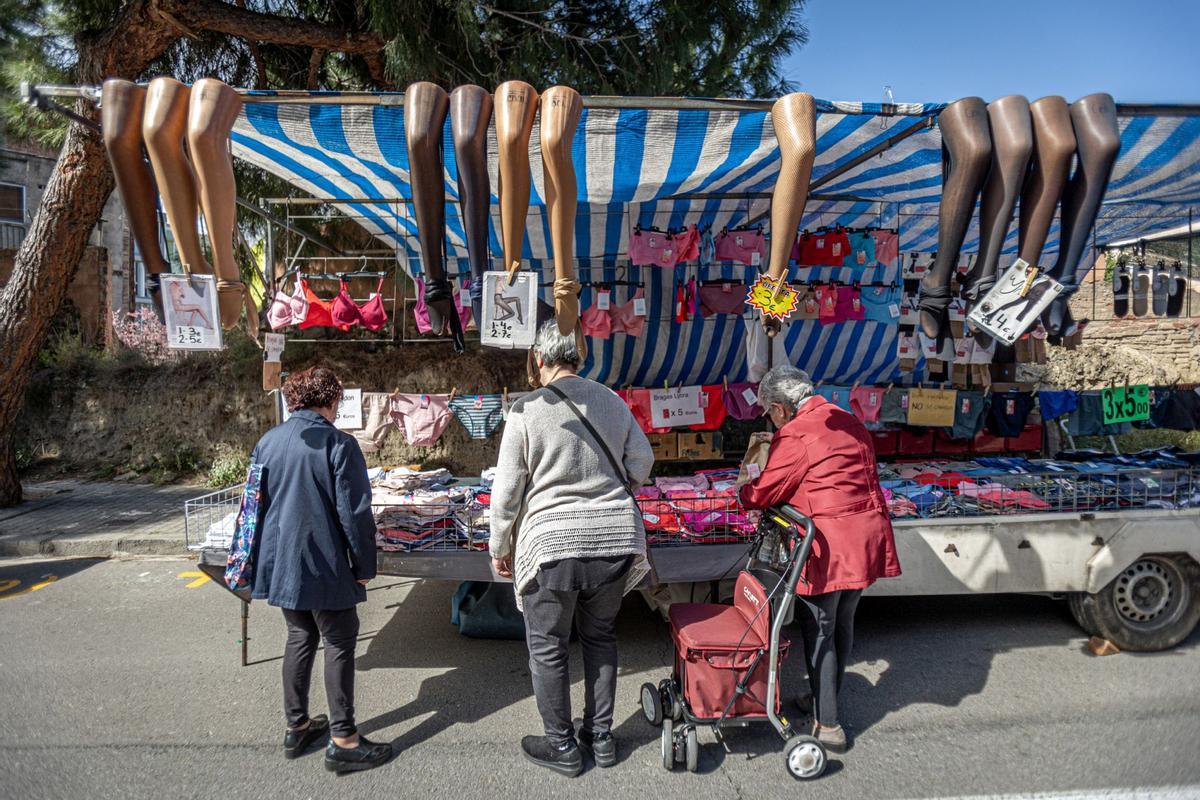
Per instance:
x=371, y=314
x=320, y=312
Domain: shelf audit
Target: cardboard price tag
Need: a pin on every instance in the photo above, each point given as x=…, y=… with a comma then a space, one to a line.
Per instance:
x=1125, y=403
x=931, y=407
x=762, y=296
x=671, y=408
x=349, y=411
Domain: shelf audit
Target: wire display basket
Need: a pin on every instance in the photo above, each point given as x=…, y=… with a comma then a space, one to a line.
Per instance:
x=209, y=520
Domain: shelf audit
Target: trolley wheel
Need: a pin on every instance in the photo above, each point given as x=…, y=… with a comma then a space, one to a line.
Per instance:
x=804, y=757
x=652, y=706
x=674, y=708
x=692, y=749
x=668, y=745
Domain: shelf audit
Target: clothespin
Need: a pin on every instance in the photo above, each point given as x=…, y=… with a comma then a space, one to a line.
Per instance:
x=453, y=392
x=666, y=386
x=889, y=387
x=725, y=381
x=855, y=386
x=504, y=396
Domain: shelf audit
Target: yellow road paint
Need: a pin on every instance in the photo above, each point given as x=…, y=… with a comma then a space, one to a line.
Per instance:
x=7, y=587
x=201, y=578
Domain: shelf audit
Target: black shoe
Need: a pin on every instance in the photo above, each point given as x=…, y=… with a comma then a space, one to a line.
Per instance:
x=603, y=748
x=563, y=760
x=296, y=743
x=368, y=755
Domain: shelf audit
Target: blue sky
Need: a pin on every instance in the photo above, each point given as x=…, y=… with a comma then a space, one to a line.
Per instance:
x=940, y=50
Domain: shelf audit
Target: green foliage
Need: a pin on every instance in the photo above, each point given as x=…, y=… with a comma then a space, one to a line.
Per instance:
x=228, y=467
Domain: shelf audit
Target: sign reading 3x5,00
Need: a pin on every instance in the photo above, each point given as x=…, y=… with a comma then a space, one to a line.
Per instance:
x=1125, y=403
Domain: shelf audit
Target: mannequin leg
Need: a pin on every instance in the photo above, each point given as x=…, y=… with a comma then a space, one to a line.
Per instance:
x=516, y=104
x=164, y=124
x=470, y=113
x=966, y=157
x=561, y=107
x=794, y=117
x=122, y=103
x=1097, y=139
x=425, y=107
x=1053, y=149
x=213, y=108
x=1012, y=144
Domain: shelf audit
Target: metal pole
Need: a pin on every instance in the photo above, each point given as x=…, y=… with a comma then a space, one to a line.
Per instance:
x=1188, y=287
x=245, y=632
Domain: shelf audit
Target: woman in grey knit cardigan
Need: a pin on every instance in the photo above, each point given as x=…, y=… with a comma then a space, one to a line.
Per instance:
x=566, y=530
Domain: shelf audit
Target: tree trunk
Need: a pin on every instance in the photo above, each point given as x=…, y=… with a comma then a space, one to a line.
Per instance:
x=42, y=273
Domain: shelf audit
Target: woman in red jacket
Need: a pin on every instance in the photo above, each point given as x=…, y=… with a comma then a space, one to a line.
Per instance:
x=822, y=462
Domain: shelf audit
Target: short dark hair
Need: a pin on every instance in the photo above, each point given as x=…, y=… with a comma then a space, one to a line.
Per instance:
x=315, y=387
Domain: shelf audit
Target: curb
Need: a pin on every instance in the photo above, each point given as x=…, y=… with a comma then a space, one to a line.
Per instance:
x=91, y=547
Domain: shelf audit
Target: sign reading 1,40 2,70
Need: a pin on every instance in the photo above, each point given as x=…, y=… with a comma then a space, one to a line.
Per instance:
x=1125, y=403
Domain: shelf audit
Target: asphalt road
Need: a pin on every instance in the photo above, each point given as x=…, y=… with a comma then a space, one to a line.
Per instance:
x=116, y=680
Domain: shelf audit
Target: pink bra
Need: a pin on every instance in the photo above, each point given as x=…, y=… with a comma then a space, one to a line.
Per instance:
x=421, y=312
x=371, y=315
x=287, y=310
x=624, y=320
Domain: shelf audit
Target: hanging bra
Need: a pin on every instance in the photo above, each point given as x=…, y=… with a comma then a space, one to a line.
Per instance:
x=287, y=310
x=320, y=312
x=371, y=314
x=624, y=320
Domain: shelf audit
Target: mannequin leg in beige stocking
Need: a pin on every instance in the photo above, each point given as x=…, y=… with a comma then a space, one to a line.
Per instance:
x=966, y=157
x=213, y=108
x=470, y=113
x=1098, y=140
x=794, y=117
x=164, y=125
x=561, y=107
x=122, y=103
x=1053, y=149
x=1012, y=145
x=516, y=104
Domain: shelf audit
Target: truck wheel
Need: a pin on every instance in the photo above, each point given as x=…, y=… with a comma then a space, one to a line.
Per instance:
x=1154, y=604
x=1083, y=609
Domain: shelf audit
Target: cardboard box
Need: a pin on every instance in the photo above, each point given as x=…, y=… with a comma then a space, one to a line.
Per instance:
x=665, y=446
x=700, y=446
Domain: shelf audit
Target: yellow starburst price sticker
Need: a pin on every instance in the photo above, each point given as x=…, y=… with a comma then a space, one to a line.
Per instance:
x=773, y=298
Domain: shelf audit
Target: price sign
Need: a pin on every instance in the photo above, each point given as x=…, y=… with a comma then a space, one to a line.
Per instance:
x=1125, y=403
x=192, y=317
x=762, y=296
x=932, y=407
x=509, y=312
x=671, y=408
x=349, y=412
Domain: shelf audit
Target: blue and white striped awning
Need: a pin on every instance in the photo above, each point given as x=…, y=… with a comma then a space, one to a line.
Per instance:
x=670, y=167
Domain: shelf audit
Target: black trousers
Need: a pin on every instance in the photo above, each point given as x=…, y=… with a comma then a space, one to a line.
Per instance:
x=827, y=625
x=548, y=618
x=305, y=630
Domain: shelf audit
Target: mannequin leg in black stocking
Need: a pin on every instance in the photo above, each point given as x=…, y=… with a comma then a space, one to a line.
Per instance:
x=966, y=156
x=470, y=113
x=1094, y=119
x=425, y=107
x=1012, y=145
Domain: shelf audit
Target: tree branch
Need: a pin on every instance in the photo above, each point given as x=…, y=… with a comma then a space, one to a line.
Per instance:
x=219, y=17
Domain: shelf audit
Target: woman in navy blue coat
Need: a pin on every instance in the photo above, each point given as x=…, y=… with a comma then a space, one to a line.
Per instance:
x=315, y=555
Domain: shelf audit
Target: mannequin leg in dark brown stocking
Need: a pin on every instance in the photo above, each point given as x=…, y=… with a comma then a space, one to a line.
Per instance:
x=516, y=104
x=213, y=108
x=122, y=103
x=1097, y=140
x=794, y=118
x=1053, y=149
x=1012, y=144
x=425, y=107
x=561, y=107
x=470, y=113
x=164, y=126
x=966, y=156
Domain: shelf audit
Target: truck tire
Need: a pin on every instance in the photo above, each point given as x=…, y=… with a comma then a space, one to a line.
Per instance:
x=1083, y=608
x=1154, y=604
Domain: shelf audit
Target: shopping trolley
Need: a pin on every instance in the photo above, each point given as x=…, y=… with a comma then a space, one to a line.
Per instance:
x=727, y=658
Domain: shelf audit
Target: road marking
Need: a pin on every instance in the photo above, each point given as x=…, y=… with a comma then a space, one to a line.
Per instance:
x=201, y=578
x=6, y=587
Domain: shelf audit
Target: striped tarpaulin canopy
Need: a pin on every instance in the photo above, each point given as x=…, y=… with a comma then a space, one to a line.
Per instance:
x=709, y=166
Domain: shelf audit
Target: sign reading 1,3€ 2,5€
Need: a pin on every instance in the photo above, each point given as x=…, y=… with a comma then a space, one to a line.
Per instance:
x=778, y=304
x=1125, y=403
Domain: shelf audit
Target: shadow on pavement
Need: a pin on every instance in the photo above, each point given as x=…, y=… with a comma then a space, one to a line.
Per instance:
x=23, y=577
